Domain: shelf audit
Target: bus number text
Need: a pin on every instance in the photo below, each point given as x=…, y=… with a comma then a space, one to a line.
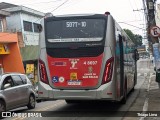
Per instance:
x=75, y=24
x=90, y=62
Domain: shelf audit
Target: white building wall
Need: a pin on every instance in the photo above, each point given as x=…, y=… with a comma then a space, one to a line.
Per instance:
x=30, y=38
x=14, y=22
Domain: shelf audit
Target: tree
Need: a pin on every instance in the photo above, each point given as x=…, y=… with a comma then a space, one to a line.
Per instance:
x=137, y=39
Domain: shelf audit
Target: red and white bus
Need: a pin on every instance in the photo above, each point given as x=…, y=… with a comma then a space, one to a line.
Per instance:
x=85, y=57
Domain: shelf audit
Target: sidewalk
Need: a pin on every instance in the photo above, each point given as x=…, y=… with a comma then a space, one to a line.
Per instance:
x=150, y=92
x=153, y=96
x=148, y=100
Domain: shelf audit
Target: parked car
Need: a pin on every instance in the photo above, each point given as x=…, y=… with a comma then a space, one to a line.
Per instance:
x=16, y=90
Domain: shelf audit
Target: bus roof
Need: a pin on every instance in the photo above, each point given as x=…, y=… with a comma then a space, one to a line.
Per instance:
x=78, y=15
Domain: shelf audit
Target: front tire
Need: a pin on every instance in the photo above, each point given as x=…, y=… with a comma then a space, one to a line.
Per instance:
x=32, y=102
x=2, y=107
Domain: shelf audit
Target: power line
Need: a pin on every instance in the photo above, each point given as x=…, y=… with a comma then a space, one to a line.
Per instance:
x=131, y=25
x=137, y=8
x=72, y=3
x=59, y=6
x=42, y=2
x=54, y=9
x=40, y=18
x=135, y=15
x=141, y=14
x=130, y=21
x=132, y=8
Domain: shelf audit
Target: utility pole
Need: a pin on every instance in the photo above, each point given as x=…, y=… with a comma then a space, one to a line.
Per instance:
x=151, y=23
x=151, y=20
x=153, y=35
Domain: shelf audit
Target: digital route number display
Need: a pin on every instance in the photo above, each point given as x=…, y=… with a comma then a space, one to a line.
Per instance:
x=82, y=24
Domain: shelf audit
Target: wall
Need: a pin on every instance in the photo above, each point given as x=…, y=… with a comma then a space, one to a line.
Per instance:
x=30, y=38
x=20, y=39
x=14, y=22
x=4, y=24
x=11, y=62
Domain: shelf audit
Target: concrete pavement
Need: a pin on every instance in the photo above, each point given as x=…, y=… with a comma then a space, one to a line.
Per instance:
x=153, y=96
x=147, y=104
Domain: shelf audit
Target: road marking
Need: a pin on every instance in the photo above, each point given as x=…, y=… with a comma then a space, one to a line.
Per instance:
x=145, y=106
x=49, y=107
x=58, y=103
x=149, y=83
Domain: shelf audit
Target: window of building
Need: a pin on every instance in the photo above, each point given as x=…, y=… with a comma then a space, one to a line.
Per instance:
x=36, y=25
x=27, y=26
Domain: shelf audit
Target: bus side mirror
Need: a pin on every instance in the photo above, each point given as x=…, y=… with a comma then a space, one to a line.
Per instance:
x=137, y=56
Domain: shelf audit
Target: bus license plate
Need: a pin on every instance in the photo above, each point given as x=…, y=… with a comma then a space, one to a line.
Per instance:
x=74, y=82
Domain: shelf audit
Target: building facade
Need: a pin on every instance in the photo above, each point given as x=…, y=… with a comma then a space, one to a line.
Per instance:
x=10, y=56
x=25, y=20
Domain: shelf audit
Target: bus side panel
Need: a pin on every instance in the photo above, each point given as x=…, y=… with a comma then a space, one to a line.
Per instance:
x=109, y=52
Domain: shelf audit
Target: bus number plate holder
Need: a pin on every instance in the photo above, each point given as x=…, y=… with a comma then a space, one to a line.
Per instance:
x=74, y=82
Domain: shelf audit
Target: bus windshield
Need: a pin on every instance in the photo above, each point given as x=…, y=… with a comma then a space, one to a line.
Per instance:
x=75, y=30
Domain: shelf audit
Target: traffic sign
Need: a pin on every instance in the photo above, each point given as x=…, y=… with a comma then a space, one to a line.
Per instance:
x=155, y=31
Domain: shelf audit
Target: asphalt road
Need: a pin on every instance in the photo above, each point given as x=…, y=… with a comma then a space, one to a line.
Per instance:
x=60, y=110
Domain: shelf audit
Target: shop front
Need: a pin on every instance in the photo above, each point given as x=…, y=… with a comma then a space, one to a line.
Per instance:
x=10, y=56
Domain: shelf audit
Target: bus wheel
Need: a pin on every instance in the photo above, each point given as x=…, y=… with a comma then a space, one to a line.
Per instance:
x=134, y=84
x=124, y=99
x=132, y=90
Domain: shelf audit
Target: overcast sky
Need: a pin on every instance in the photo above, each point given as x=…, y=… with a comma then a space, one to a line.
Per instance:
x=125, y=11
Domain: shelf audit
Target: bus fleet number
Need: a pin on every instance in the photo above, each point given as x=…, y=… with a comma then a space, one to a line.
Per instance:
x=90, y=62
x=75, y=24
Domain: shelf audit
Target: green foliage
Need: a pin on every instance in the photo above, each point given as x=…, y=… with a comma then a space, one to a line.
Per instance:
x=137, y=39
